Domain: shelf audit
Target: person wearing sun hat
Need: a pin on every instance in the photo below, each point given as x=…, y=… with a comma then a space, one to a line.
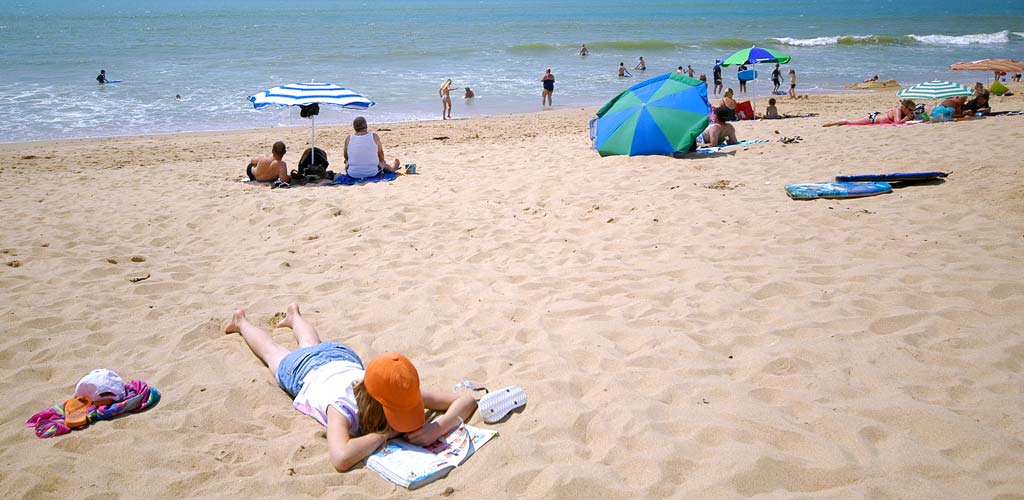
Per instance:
x=361, y=408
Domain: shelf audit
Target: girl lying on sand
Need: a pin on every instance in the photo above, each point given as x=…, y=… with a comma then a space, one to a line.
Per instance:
x=362, y=408
x=902, y=113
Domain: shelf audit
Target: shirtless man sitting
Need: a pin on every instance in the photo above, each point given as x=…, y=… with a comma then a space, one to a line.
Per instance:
x=273, y=168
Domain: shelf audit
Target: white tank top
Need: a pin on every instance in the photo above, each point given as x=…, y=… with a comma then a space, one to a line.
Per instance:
x=362, y=156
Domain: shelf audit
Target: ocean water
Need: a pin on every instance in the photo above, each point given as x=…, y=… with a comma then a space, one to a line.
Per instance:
x=397, y=52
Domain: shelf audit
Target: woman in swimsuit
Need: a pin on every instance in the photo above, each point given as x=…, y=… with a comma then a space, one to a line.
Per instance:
x=548, y=80
x=729, y=104
x=719, y=131
x=900, y=114
x=446, y=98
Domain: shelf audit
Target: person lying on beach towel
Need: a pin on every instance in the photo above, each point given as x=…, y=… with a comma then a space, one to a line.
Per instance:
x=364, y=153
x=978, y=104
x=272, y=168
x=718, y=131
x=362, y=407
x=900, y=114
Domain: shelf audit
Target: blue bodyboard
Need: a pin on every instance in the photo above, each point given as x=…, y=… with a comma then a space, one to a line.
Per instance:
x=895, y=177
x=814, y=190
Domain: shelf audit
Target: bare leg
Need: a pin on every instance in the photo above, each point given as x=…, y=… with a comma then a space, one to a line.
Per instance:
x=259, y=341
x=863, y=121
x=304, y=331
x=384, y=167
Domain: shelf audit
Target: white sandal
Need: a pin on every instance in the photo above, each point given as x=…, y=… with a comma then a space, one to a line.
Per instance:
x=494, y=406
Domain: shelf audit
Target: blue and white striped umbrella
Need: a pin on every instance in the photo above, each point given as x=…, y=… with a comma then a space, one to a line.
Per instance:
x=935, y=89
x=302, y=94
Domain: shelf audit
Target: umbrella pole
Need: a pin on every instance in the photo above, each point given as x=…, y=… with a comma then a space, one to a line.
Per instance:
x=312, y=142
x=753, y=100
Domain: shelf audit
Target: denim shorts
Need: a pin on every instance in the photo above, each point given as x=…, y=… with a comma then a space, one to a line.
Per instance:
x=291, y=373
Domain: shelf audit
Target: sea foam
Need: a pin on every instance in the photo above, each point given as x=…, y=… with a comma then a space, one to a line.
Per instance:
x=978, y=38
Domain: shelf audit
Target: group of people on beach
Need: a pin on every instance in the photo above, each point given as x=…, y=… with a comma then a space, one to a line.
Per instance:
x=362, y=150
x=953, y=108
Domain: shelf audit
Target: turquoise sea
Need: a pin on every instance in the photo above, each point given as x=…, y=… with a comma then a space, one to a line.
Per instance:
x=397, y=52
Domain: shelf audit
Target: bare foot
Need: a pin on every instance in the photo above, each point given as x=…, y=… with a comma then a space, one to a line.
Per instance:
x=289, y=318
x=236, y=321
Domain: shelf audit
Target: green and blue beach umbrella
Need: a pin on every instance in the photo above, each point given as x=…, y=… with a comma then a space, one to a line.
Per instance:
x=656, y=117
x=755, y=55
x=935, y=89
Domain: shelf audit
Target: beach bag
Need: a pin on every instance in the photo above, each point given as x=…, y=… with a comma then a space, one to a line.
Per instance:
x=309, y=110
x=744, y=111
x=315, y=166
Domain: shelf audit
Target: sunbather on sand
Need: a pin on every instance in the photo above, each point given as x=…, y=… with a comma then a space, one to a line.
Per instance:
x=362, y=408
x=719, y=131
x=364, y=154
x=902, y=113
x=728, y=103
x=979, y=104
x=269, y=168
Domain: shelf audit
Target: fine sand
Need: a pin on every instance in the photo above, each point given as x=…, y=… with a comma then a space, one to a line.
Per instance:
x=683, y=328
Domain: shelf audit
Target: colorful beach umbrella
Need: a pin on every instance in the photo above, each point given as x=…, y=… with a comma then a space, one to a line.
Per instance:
x=306, y=94
x=1007, y=65
x=655, y=117
x=935, y=89
x=755, y=55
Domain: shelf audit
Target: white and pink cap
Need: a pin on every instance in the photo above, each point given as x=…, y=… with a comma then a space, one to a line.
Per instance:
x=101, y=384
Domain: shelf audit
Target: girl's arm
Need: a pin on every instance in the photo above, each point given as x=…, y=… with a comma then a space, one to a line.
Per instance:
x=456, y=410
x=345, y=451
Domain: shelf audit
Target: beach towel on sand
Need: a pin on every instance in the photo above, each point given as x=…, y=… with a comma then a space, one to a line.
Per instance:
x=345, y=180
x=706, y=150
x=138, y=397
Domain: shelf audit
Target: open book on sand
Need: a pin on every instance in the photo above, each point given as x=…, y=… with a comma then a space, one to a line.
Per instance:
x=412, y=466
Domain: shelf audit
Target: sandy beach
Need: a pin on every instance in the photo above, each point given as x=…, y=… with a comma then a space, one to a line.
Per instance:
x=683, y=328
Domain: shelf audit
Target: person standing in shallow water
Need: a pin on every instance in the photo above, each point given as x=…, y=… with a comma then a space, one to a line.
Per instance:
x=102, y=77
x=446, y=99
x=548, y=83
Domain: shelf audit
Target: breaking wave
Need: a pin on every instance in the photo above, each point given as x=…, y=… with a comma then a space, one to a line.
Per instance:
x=977, y=38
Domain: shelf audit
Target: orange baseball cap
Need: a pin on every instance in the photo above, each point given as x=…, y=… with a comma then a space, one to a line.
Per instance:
x=393, y=381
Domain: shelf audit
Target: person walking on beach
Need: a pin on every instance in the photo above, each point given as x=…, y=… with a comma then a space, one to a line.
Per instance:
x=776, y=78
x=689, y=71
x=622, y=70
x=362, y=407
x=716, y=74
x=583, y=51
x=102, y=78
x=272, y=168
x=792, y=83
x=446, y=98
x=548, y=83
x=642, y=65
